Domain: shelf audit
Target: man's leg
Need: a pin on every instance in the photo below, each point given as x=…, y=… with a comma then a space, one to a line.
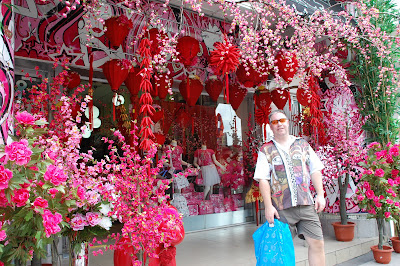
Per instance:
x=316, y=252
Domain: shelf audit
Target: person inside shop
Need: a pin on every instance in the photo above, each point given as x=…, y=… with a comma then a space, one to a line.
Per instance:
x=284, y=168
x=204, y=159
x=175, y=160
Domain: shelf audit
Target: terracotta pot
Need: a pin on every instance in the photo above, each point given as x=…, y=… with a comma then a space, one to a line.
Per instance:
x=383, y=256
x=396, y=244
x=344, y=232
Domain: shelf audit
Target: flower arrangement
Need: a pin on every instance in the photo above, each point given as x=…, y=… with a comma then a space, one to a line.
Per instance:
x=378, y=185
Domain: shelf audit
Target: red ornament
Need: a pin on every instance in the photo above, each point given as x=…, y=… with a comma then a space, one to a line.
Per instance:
x=162, y=84
x=254, y=78
x=195, y=86
x=262, y=98
x=303, y=97
x=287, y=65
x=115, y=71
x=72, y=80
x=188, y=48
x=280, y=97
x=117, y=29
x=132, y=82
x=261, y=115
x=157, y=116
x=214, y=87
x=237, y=95
x=159, y=138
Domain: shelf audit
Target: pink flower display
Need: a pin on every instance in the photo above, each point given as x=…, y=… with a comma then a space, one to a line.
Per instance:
x=93, y=218
x=370, y=194
x=379, y=172
x=78, y=222
x=387, y=214
x=25, y=118
x=55, y=175
x=19, y=152
x=53, y=192
x=3, y=235
x=50, y=222
x=20, y=197
x=40, y=203
x=5, y=176
x=3, y=200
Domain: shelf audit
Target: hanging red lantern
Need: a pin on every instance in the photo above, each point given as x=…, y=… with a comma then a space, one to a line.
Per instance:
x=117, y=29
x=132, y=82
x=237, y=95
x=116, y=71
x=262, y=98
x=303, y=97
x=195, y=86
x=214, y=87
x=280, y=97
x=162, y=83
x=72, y=80
x=287, y=65
x=188, y=48
x=251, y=77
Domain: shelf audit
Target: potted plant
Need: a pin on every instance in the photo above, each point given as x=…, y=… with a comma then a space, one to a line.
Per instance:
x=395, y=240
x=377, y=190
x=342, y=153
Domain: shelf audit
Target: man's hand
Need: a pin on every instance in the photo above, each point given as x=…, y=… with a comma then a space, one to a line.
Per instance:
x=270, y=213
x=319, y=203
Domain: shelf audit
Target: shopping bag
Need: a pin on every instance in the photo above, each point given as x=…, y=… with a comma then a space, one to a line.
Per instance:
x=274, y=245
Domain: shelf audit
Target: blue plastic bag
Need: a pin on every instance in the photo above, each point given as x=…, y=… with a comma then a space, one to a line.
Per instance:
x=274, y=245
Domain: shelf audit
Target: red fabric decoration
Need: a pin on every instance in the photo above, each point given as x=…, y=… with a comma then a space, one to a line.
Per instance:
x=188, y=48
x=157, y=116
x=115, y=72
x=117, y=29
x=280, y=97
x=214, y=87
x=72, y=80
x=254, y=78
x=184, y=118
x=287, y=65
x=261, y=115
x=159, y=138
x=303, y=97
x=123, y=254
x=162, y=84
x=262, y=98
x=237, y=95
x=132, y=82
x=155, y=47
x=195, y=86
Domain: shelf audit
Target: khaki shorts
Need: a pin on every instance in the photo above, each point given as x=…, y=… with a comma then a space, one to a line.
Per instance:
x=303, y=219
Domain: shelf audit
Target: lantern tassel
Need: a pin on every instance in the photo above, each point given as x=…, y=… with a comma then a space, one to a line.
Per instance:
x=91, y=92
x=188, y=88
x=227, y=88
x=115, y=97
x=265, y=131
x=290, y=100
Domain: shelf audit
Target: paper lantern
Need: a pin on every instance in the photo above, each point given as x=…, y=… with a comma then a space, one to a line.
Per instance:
x=132, y=82
x=255, y=77
x=280, y=97
x=262, y=98
x=116, y=71
x=237, y=95
x=162, y=83
x=195, y=88
x=303, y=97
x=117, y=29
x=188, y=48
x=214, y=87
x=287, y=65
x=72, y=80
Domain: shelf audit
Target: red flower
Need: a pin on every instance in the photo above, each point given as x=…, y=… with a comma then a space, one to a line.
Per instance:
x=20, y=197
x=5, y=176
x=40, y=203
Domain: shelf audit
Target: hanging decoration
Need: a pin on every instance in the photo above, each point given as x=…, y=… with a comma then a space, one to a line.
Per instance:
x=115, y=71
x=132, y=82
x=146, y=101
x=191, y=89
x=72, y=80
x=315, y=111
x=159, y=138
x=261, y=117
x=225, y=59
x=157, y=116
x=280, y=97
x=303, y=97
x=214, y=87
x=188, y=48
x=262, y=97
x=117, y=29
x=90, y=90
x=237, y=95
x=162, y=83
x=287, y=65
x=155, y=36
x=251, y=77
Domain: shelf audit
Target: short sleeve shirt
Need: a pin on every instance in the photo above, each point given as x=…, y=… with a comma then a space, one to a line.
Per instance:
x=204, y=157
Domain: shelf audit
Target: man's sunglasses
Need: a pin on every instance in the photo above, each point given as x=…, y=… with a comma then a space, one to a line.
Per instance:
x=282, y=120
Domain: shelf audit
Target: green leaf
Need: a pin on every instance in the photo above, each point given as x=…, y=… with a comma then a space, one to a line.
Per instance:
x=29, y=215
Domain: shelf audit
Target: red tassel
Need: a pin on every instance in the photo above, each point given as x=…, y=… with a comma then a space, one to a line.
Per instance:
x=227, y=88
x=290, y=100
x=91, y=92
x=187, y=88
x=265, y=131
x=115, y=96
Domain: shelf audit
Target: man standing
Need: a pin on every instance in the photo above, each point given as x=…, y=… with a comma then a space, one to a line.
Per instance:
x=284, y=168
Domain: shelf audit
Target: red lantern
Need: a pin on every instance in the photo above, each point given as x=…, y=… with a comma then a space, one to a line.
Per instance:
x=303, y=97
x=237, y=95
x=280, y=97
x=262, y=98
x=162, y=84
x=72, y=80
x=132, y=82
x=115, y=71
x=195, y=86
x=188, y=48
x=254, y=78
x=287, y=65
x=214, y=87
x=117, y=29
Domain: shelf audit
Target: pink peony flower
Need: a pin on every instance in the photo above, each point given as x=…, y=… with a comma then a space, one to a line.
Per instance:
x=360, y=197
x=25, y=118
x=5, y=176
x=19, y=152
x=368, y=172
x=1, y=263
x=374, y=145
x=81, y=193
x=50, y=222
x=378, y=204
x=53, y=192
x=387, y=214
x=20, y=197
x=395, y=173
x=389, y=201
x=380, y=154
x=366, y=185
x=372, y=211
x=370, y=194
x=93, y=218
x=3, y=235
x=40, y=203
x=78, y=222
x=390, y=182
x=394, y=151
x=379, y=172
x=3, y=200
x=92, y=197
x=55, y=175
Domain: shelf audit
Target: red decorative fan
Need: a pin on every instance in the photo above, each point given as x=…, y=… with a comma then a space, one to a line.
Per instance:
x=280, y=97
x=162, y=83
x=303, y=97
x=287, y=65
x=251, y=77
x=117, y=29
x=262, y=98
x=188, y=48
x=132, y=82
x=72, y=80
x=237, y=95
x=214, y=87
x=195, y=86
